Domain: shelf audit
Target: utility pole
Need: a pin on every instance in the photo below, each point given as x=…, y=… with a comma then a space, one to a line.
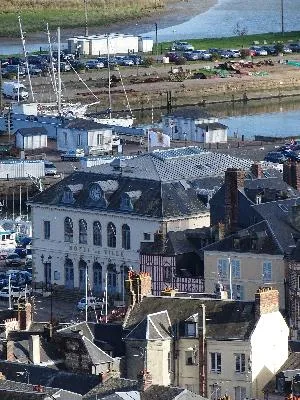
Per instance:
x=282, y=24
x=156, y=42
x=86, y=18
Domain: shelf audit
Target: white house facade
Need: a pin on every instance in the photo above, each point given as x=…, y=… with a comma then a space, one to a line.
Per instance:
x=194, y=124
x=85, y=134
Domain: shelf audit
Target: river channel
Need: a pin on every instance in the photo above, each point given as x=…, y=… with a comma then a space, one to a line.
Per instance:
x=278, y=117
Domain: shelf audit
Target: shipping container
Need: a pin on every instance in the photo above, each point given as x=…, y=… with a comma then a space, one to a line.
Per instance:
x=21, y=169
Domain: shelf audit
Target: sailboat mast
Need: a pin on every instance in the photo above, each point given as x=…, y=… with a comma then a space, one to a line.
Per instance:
x=53, y=79
x=58, y=72
x=109, y=79
x=26, y=58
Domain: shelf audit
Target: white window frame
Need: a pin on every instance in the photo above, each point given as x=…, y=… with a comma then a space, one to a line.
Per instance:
x=240, y=363
x=216, y=366
x=235, y=268
x=100, y=139
x=267, y=271
x=223, y=268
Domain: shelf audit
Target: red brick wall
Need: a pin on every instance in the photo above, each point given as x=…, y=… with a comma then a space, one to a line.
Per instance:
x=234, y=179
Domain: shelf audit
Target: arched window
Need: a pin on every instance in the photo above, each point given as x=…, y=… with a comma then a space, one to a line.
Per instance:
x=97, y=234
x=125, y=237
x=97, y=278
x=68, y=229
x=111, y=235
x=82, y=231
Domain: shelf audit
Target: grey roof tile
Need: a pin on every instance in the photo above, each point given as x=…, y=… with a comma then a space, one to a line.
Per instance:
x=225, y=319
x=32, y=131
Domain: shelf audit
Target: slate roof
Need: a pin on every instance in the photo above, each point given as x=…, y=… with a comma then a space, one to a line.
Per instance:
x=295, y=252
x=212, y=125
x=189, y=112
x=187, y=163
x=111, y=386
x=278, y=214
x=18, y=390
x=225, y=319
x=152, y=327
x=157, y=392
x=83, y=327
x=97, y=355
x=46, y=376
x=32, y=131
x=265, y=241
x=84, y=124
x=109, y=338
x=157, y=199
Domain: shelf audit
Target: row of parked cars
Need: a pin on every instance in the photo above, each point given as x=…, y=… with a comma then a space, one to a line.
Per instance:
x=186, y=50
x=284, y=153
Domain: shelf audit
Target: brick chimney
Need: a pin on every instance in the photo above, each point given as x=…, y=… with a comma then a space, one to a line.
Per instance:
x=24, y=316
x=8, y=350
x=256, y=170
x=34, y=349
x=234, y=180
x=138, y=285
x=291, y=174
x=103, y=376
x=266, y=301
x=144, y=379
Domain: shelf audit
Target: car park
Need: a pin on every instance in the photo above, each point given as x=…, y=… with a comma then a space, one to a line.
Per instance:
x=275, y=157
x=21, y=251
x=182, y=46
x=233, y=53
x=35, y=70
x=137, y=60
x=14, y=292
x=125, y=61
x=173, y=57
x=202, y=54
x=270, y=49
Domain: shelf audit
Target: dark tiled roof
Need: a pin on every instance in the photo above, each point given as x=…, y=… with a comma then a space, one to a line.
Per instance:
x=32, y=131
x=278, y=214
x=190, y=112
x=265, y=242
x=156, y=199
x=212, y=125
x=152, y=327
x=83, y=327
x=295, y=252
x=225, y=319
x=156, y=392
x=109, y=337
x=50, y=377
x=97, y=355
x=111, y=386
x=84, y=124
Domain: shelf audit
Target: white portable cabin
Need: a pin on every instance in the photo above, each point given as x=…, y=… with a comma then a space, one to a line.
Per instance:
x=145, y=44
x=31, y=138
x=21, y=169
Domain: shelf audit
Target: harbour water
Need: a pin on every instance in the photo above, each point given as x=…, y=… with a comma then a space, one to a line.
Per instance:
x=255, y=16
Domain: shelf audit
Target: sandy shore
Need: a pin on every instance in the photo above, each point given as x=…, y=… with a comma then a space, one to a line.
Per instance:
x=175, y=12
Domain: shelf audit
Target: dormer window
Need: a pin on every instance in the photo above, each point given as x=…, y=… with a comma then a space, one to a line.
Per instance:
x=190, y=329
x=68, y=196
x=126, y=204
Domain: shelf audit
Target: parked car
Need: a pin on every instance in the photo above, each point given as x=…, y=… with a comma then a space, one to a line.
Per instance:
x=35, y=70
x=125, y=61
x=14, y=69
x=14, y=292
x=21, y=251
x=50, y=168
x=202, y=54
x=93, y=303
x=190, y=56
x=13, y=259
x=291, y=155
x=275, y=157
x=72, y=155
x=94, y=64
x=259, y=51
x=295, y=47
x=287, y=50
x=270, y=49
x=3, y=280
x=137, y=60
x=172, y=56
x=233, y=53
x=182, y=46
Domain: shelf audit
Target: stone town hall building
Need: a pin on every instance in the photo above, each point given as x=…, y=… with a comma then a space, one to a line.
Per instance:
x=95, y=221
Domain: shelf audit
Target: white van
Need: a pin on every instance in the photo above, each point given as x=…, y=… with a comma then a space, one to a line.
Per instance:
x=14, y=90
x=50, y=168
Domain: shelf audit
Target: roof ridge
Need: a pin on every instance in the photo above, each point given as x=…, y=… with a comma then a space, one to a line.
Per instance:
x=154, y=326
